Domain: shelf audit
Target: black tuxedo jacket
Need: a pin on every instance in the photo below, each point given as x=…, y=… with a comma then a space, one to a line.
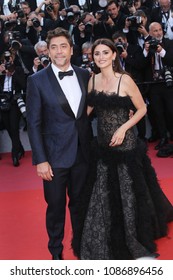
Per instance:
x=18, y=80
x=167, y=60
x=156, y=15
x=135, y=62
x=54, y=132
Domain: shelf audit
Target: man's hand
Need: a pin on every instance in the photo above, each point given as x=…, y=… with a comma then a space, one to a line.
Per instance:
x=124, y=54
x=159, y=48
x=142, y=30
x=147, y=46
x=44, y=171
x=36, y=62
x=2, y=67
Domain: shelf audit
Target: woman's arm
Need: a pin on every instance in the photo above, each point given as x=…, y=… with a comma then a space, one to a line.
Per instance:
x=128, y=87
x=89, y=108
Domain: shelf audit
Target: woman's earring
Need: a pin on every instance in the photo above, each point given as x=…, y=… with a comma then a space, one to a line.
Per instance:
x=113, y=64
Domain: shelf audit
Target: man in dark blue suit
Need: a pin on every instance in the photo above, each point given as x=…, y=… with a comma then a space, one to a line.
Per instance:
x=59, y=132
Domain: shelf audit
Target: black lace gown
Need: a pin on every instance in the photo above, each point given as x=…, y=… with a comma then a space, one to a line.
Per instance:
x=123, y=209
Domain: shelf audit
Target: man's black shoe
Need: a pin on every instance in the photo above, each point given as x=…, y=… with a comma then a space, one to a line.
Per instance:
x=57, y=257
x=162, y=143
x=166, y=151
x=21, y=153
x=15, y=161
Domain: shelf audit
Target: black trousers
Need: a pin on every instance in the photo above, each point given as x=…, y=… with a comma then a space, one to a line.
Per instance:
x=10, y=120
x=65, y=181
x=161, y=104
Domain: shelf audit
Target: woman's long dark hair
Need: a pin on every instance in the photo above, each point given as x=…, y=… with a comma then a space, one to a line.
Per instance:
x=107, y=42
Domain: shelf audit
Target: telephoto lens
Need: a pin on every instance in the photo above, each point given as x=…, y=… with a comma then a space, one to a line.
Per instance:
x=168, y=77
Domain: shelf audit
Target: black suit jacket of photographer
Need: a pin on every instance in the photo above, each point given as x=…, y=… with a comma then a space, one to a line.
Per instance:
x=167, y=60
x=135, y=62
x=48, y=24
x=18, y=80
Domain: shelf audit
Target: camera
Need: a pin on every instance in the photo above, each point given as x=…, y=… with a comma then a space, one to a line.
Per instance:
x=14, y=40
x=85, y=58
x=10, y=24
x=20, y=102
x=104, y=16
x=135, y=22
x=71, y=15
x=17, y=9
x=9, y=66
x=153, y=44
x=44, y=59
x=49, y=7
x=120, y=46
x=88, y=27
x=168, y=76
x=36, y=22
x=5, y=101
x=21, y=106
x=89, y=65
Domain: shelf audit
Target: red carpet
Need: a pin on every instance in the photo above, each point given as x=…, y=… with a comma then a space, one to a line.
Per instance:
x=22, y=211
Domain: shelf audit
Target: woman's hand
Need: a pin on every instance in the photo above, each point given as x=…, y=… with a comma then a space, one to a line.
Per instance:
x=118, y=137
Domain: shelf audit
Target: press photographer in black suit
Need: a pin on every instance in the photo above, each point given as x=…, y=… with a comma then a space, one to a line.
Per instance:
x=42, y=59
x=12, y=83
x=38, y=26
x=163, y=15
x=159, y=53
x=136, y=28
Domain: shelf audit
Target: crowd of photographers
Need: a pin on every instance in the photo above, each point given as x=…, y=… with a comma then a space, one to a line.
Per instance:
x=143, y=34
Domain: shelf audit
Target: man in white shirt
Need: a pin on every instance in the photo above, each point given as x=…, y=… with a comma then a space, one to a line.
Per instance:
x=159, y=53
x=58, y=130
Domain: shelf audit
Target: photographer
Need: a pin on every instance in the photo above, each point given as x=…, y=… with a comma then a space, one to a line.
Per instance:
x=159, y=52
x=136, y=28
x=42, y=59
x=37, y=27
x=50, y=10
x=69, y=18
x=21, y=48
x=16, y=21
x=132, y=6
x=86, y=60
x=92, y=27
x=12, y=83
x=116, y=15
x=163, y=15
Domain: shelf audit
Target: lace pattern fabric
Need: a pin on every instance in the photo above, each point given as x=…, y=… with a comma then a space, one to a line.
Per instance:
x=124, y=206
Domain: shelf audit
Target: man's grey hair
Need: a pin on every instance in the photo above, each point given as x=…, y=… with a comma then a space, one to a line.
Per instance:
x=87, y=45
x=40, y=44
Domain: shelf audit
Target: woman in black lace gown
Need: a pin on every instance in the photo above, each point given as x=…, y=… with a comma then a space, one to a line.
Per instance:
x=123, y=209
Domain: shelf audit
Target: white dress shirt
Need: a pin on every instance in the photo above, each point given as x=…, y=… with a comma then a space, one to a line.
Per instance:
x=7, y=83
x=70, y=87
x=6, y=10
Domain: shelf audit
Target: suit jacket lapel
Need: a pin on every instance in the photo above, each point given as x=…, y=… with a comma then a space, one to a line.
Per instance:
x=60, y=95
x=83, y=89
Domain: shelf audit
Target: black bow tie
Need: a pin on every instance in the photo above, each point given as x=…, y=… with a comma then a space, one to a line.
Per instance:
x=66, y=73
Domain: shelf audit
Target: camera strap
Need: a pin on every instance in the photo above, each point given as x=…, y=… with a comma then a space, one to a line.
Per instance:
x=22, y=64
